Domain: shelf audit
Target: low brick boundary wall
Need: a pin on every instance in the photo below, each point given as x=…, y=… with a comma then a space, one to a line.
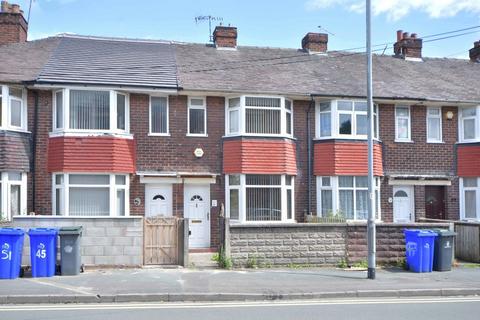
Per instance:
x=109, y=241
x=315, y=244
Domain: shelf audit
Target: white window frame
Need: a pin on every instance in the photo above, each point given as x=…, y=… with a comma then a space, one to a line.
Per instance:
x=5, y=209
x=159, y=134
x=461, y=119
x=202, y=107
x=113, y=187
x=462, y=199
x=439, y=117
x=242, y=116
x=242, y=187
x=409, y=118
x=335, y=188
x=6, y=109
x=112, y=117
x=335, y=120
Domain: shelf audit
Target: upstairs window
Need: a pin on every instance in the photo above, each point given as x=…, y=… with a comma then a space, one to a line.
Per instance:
x=434, y=124
x=13, y=108
x=262, y=116
x=344, y=119
x=402, y=124
x=469, y=124
x=158, y=116
x=90, y=111
x=197, y=117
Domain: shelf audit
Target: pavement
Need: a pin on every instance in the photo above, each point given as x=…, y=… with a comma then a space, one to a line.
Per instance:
x=213, y=285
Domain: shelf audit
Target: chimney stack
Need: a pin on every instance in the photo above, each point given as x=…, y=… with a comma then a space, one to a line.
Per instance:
x=315, y=42
x=475, y=52
x=13, y=26
x=408, y=46
x=225, y=37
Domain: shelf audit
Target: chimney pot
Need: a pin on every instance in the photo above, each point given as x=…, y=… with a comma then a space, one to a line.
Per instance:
x=13, y=26
x=315, y=42
x=225, y=37
x=408, y=46
x=474, y=53
x=399, y=35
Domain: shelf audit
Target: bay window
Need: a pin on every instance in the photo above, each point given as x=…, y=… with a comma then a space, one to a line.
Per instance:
x=90, y=194
x=470, y=198
x=434, y=124
x=13, y=194
x=13, y=108
x=346, y=197
x=402, y=124
x=262, y=116
x=257, y=198
x=80, y=110
x=197, y=117
x=469, y=124
x=344, y=119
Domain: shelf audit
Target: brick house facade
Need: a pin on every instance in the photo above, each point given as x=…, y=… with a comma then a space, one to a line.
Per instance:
x=205, y=131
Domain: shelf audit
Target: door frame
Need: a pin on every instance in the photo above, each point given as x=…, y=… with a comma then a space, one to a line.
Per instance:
x=206, y=186
x=148, y=187
x=411, y=194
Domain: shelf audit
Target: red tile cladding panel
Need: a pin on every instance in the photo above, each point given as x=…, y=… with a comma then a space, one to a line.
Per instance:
x=345, y=158
x=468, y=160
x=92, y=154
x=259, y=156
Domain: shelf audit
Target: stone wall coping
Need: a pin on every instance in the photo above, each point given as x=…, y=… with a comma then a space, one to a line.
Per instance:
x=347, y=224
x=74, y=217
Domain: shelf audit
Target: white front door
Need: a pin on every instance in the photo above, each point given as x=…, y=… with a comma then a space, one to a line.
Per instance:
x=197, y=210
x=158, y=200
x=403, y=208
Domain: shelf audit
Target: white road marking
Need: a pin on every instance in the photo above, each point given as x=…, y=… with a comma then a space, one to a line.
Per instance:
x=61, y=286
x=160, y=305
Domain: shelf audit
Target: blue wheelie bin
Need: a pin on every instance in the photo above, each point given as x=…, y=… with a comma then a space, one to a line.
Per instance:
x=419, y=249
x=11, y=246
x=43, y=251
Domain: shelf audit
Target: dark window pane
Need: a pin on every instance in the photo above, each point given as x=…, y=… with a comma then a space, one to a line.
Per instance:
x=121, y=111
x=197, y=121
x=89, y=110
x=159, y=115
x=345, y=124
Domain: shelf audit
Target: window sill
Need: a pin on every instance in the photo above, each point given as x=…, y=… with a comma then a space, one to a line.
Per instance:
x=159, y=134
x=403, y=141
x=469, y=141
x=362, y=138
x=90, y=134
x=197, y=135
x=435, y=142
x=260, y=136
x=14, y=129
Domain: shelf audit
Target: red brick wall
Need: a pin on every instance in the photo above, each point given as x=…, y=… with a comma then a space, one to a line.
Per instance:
x=13, y=28
x=468, y=160
x=334, y=158
x=257, y=155
x=419, y=157
x=91, y=154
x=175, y=152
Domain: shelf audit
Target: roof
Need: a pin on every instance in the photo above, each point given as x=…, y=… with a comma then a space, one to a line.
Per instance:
x=292, y=71
x=24, y=61
x=71, y=59
x=108, y=61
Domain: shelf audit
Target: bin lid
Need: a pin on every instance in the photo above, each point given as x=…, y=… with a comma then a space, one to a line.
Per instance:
x=70, y=230
x=426, y=233
x=444, y=233
x=42, y=232
x=12, y=231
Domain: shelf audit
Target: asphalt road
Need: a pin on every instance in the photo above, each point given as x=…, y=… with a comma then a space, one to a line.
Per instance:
x=357, y=309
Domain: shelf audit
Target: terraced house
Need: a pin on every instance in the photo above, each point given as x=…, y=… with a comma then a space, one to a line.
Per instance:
x=93, y=126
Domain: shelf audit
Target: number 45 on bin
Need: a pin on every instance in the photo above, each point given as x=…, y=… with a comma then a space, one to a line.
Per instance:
x=41, y=251
x=6, y=252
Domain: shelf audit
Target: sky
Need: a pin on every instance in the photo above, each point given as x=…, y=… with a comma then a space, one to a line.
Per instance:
x=266, y=23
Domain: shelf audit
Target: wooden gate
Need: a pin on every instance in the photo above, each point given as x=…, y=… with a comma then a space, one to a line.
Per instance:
x=161, y=241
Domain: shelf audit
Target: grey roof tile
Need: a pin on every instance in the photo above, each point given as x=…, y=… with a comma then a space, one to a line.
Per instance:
x=291, y=71
x=111, y=62
x=23, y=61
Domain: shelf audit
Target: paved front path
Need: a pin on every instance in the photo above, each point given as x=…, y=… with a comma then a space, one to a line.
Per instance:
x=192, y=285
